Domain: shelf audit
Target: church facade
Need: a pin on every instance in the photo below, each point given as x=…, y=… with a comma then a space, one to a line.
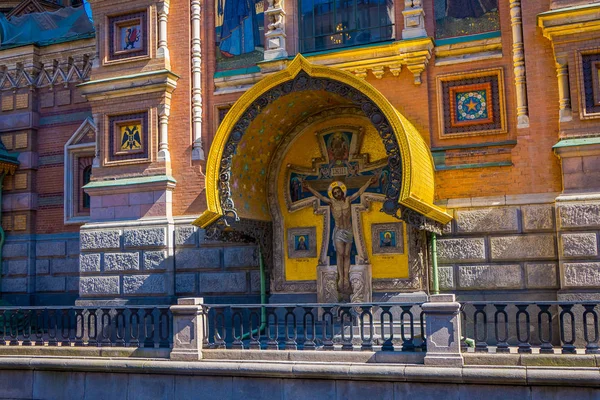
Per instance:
x=300, y=150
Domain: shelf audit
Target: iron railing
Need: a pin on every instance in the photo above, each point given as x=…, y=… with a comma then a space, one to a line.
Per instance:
x=86, y=326
x=368, y=326
x=531, y=327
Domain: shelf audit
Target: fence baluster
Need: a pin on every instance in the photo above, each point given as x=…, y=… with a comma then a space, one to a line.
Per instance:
x=120, y=327
x=345, y=315
x=39, y=327
x=568, y=347
x=290, y=341
x=309, y=342
x=481, y=345
x=501, y=341
x=366, y=343
x=164, y=328
x=387, y=345
x=407, y=343
x=92, y=324
x=149, y=331
x=79, y=327
x=546, y=344
x=423, y=333
x=254, y=329
x=236, y=315
x=591, y=346
x=134, y=327
x=27, y=317
x=52, y=327
x=219, y=319
x=524, y=343
x=327, y=322
x=272, y=341
x=106, y=326
x=65, y=327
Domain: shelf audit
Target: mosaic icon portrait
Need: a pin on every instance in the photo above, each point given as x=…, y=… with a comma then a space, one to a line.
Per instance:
x=302, y=242
x=387, y=238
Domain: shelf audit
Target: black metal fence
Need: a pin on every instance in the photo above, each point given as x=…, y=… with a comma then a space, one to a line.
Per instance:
x=369, y=326
x=82, y=326
x=544, y=327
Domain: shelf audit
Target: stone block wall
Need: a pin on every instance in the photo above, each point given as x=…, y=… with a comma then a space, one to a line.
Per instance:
x=213, y=268
x=579, y=232
x=118, y=262
x=154, y=263
x=499, y=247
x=37, y=269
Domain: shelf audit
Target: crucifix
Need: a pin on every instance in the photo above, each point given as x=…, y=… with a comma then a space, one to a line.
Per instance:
x=337, y=181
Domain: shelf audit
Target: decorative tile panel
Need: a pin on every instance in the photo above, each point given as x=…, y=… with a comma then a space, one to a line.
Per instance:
x=128, y=36
x=128, y=137
x=471, y=104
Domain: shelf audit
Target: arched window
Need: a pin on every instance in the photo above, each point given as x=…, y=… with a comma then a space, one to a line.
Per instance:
x=329, y=24
x=87, y=177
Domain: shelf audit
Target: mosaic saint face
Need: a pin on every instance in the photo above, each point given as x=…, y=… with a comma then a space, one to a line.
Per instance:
x=130, y=36
x=301, y=242
x=387, y=239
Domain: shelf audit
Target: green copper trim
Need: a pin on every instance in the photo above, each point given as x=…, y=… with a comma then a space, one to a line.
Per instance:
x=130, y=181
x=467, y=38
x=348, y=48
x=239, y=71
x=479, y=165
x=469, y=146
x=128, y=77
x=577, y=142
x=568, y=10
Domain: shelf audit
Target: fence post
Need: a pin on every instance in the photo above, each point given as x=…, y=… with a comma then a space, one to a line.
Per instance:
x=188, y=329
x=442, y=316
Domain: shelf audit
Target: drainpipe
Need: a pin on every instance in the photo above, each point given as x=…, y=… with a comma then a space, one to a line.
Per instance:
x=434, y=265
x=263, y=297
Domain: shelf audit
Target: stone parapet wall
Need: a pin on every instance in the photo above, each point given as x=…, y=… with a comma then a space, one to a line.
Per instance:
x=40, y=265
x=500, y=247
x=213, y=268
x=157, y=260
x=578, y=220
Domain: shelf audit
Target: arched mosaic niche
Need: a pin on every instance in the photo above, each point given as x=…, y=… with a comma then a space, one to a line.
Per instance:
x=303, y=82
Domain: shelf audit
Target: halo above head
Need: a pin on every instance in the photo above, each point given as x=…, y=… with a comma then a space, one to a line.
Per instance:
x=335, y=184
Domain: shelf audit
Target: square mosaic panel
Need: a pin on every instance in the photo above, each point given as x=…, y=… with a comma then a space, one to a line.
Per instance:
x=387, y=238
x=128, y=36
x=128, y=137
x=471, y=104
x=302, y=242
x=590, y=68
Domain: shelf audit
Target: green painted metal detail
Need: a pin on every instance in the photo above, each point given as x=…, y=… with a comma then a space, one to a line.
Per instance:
x=577, y=142
x=478, y=165
x=234, y=72
x=340, y=49
x=468, y=38
x=132, y=76
x=130, y=181
x=475, y=145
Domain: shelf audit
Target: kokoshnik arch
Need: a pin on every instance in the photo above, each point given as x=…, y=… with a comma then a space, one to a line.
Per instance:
x=310, y=125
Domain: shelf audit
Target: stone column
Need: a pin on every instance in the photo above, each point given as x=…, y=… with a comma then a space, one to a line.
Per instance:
x=275, y=34
x=519, y=64
x=163, y=12
x=188, y=329
x=442, y=316
x=197, y=151
x=564, y=98
x=97, y=119
x=164, y=111
x=414, y=20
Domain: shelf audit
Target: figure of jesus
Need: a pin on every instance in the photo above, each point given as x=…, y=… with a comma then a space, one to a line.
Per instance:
x=342, y=232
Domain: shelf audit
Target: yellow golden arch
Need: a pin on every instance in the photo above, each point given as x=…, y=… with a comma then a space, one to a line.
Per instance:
x=417, y=190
